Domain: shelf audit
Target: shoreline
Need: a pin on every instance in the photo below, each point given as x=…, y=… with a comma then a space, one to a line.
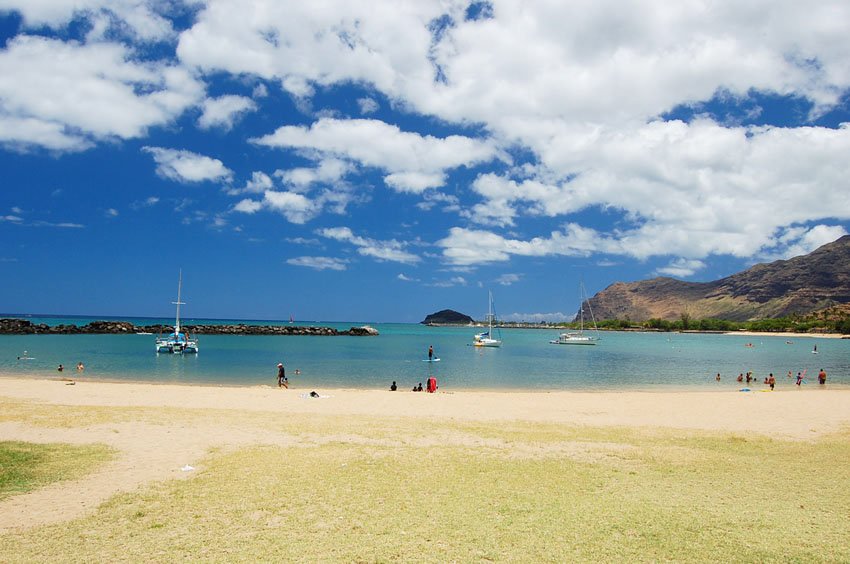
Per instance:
x=707, y=386
x=787, y=412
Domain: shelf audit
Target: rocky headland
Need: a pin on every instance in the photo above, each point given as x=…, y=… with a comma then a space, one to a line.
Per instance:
x=798, y=286
x=13, y=326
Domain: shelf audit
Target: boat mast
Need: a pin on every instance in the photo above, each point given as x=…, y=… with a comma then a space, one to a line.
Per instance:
x=178, y=303
x=490, y=312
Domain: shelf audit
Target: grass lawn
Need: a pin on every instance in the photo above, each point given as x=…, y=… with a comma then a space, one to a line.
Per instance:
x=411, y=490
x=27, y=466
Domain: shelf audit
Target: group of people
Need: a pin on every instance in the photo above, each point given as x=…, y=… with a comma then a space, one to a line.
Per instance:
x=770, y=380
x=430, y=386
x=80, y=367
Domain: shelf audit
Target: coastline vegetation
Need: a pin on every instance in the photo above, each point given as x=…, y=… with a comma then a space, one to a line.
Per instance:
x=813, y=323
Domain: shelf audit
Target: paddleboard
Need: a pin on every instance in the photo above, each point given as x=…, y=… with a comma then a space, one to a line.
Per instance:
x=430, y=360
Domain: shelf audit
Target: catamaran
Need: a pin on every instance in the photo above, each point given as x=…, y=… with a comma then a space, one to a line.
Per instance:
x=578, y=337
x=178, y=342
x=486, y=339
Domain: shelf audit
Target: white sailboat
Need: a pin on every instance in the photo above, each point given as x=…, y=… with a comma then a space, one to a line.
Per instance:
x=578, y=337
x=178, y=342
x=486, y=339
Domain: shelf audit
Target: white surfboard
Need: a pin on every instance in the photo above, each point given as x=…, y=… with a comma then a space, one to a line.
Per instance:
x=430, y=360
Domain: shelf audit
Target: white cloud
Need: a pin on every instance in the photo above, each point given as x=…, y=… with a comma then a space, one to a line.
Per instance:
x=580, y=86
x=146, y=203
x=260, y=91
x=224, y=111
x=328, y=171
x=681, y=267
x=391, y=250
x=111, y=212
x=296, y=208
x=367, y=105
x=508, y=279
x=144, y=20
x=11, y=218
x=64, y=95
x=259, y=183
x=248, y=206
x=554, y=317
x=404, y=278
x=414, y=162
x=186, y=166
x=319, y=263
x=797, y=241
x=450, y=283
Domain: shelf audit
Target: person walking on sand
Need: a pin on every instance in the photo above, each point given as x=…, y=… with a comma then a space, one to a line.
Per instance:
x=282, y=380
x=822, y=376
x=771, y=381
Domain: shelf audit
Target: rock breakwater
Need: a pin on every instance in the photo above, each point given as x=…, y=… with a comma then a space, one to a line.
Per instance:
x=12, y=326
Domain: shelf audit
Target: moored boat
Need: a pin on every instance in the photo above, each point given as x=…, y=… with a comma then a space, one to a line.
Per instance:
x=177, y=342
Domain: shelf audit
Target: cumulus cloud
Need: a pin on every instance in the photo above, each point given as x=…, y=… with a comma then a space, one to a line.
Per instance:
x=367, y=105
x=258, y=184
x=328, y=171
x=390, y=250
x=143, y=20
x=681, y=268
x=319, y=263
x=224, y=111
x=65, y=95
x=186, y=166
x=414, y=162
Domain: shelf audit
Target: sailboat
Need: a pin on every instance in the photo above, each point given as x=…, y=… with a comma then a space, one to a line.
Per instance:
x=178, y=342
x=486, y=339
x=578, y=337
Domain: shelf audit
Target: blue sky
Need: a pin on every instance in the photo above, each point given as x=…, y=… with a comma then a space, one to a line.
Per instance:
x=381, y=161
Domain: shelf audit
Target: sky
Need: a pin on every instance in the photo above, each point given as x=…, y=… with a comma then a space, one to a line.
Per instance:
x=380, y=161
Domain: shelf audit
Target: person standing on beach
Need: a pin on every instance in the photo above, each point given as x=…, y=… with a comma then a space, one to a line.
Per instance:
x=822, y=376
x=771, y=381
x=799, y=378
x=282, y=382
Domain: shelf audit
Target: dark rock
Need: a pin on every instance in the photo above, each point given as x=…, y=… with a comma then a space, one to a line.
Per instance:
x=447, y=317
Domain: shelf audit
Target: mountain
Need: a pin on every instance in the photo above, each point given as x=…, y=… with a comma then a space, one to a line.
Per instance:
x=800, y=285
x=447, y=317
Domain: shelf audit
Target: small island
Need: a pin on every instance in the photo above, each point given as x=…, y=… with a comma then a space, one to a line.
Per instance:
x=447, y=317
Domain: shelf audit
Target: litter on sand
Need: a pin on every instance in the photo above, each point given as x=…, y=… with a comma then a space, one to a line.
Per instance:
x=187, y=468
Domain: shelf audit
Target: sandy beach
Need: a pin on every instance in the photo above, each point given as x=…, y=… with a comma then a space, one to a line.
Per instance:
x=167, y=432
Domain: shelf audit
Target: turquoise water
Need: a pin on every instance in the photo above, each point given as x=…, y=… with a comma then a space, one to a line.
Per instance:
x=526, y=360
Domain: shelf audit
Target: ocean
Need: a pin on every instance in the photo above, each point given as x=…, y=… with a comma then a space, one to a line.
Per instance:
x=526, y=360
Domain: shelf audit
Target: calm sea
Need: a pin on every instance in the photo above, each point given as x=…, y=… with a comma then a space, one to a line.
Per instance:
x=526, y=360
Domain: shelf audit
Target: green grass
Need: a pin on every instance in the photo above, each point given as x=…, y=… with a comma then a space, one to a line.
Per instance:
x=27, y=466
x=517, y=492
